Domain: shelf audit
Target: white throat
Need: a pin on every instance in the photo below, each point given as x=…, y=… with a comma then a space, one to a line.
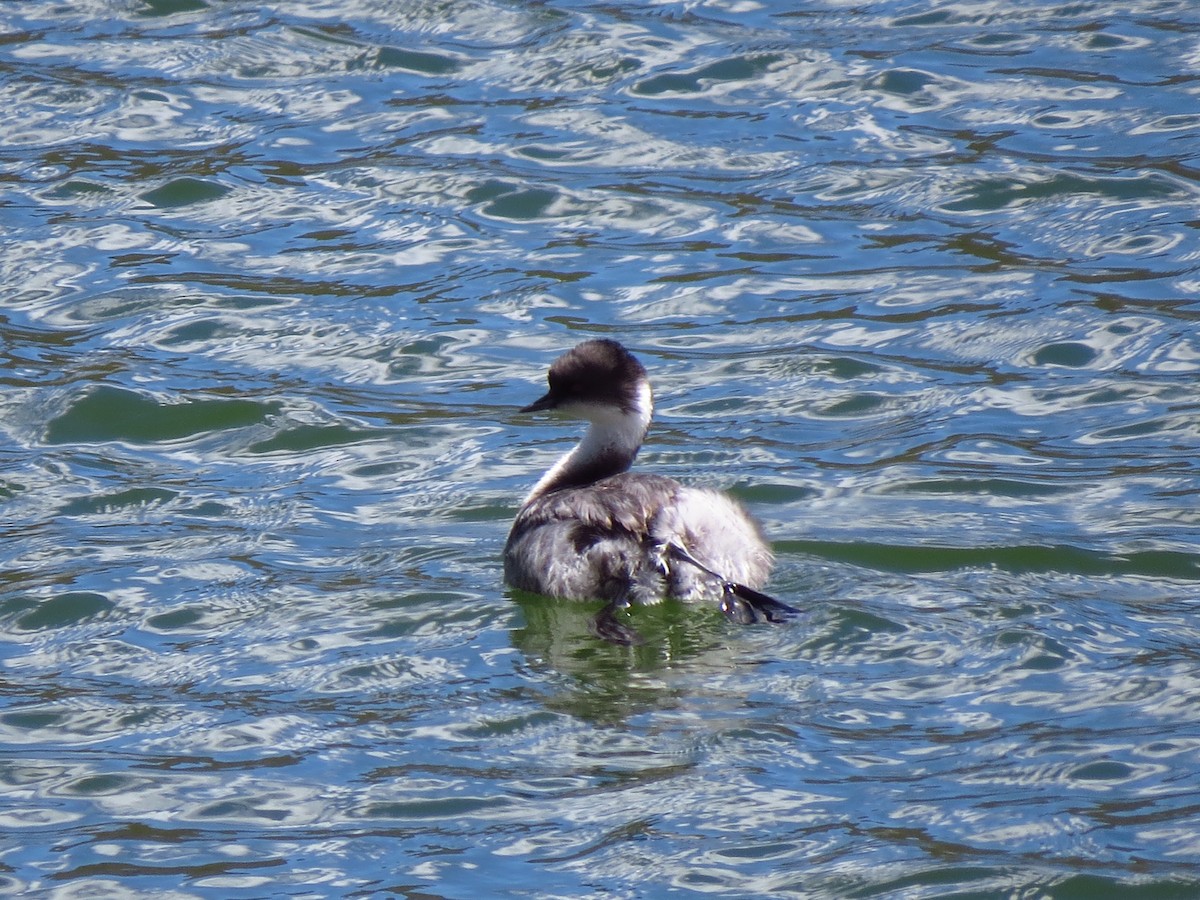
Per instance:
x=608, y=446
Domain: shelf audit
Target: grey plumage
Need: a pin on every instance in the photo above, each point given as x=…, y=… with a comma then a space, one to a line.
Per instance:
x=591, y=530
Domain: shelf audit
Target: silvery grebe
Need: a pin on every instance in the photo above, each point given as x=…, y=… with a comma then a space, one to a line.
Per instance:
x=590, y=530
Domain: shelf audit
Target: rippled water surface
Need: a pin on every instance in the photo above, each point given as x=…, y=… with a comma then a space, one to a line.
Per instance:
x=920, y=283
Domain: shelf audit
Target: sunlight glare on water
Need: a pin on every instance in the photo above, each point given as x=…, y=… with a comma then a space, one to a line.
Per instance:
x=917, y=283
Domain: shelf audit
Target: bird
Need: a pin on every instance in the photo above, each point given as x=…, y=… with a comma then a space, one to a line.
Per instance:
x=592, y=530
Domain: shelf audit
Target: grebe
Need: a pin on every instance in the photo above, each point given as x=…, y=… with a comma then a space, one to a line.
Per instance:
x=590, y=530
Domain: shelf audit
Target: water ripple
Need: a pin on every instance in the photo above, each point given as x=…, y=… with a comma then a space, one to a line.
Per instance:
x=917, y=285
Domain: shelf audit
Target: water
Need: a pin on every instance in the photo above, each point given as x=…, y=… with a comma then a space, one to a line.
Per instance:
x=918, y=283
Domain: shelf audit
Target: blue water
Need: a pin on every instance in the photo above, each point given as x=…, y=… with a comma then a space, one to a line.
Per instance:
x=920, y=284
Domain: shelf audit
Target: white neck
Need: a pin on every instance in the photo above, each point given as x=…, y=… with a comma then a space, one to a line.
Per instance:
x=608, y=446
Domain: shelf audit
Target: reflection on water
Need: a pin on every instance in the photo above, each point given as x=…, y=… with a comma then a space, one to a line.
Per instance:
x=918, y=285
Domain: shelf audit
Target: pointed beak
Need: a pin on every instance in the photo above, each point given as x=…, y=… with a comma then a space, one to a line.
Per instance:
x=546, y=402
